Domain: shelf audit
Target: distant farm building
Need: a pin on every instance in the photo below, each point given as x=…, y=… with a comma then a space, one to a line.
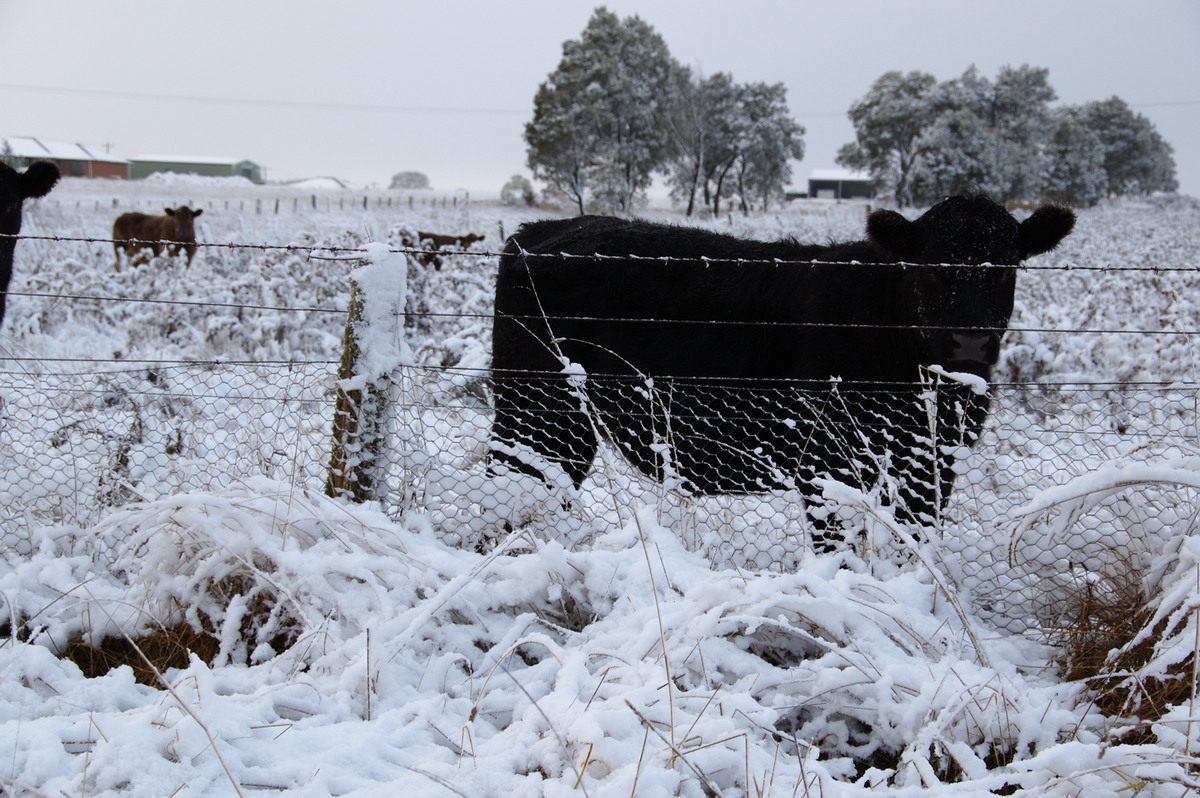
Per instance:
x=205, y=167
x=839, y=184
x=74, y=160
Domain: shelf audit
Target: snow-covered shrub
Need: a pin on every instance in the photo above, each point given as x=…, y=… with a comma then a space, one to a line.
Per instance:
x=233, y=563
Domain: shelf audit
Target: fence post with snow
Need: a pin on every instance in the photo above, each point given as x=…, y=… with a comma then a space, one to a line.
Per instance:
x=373, y=347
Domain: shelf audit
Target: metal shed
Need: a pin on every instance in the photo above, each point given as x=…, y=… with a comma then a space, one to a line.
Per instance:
x=206, y=167
x=839, y=184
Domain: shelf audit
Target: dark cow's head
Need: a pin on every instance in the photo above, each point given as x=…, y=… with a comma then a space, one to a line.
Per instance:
x=16, y=187
x=964, y=309
x=185, y=228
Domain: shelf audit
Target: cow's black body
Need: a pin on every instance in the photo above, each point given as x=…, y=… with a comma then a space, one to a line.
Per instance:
x=732, y=377
x=15, y=188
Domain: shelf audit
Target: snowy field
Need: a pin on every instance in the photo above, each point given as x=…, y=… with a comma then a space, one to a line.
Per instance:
x=166, y=432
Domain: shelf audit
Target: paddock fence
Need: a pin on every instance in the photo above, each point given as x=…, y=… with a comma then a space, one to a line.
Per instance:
x=1070, y=484
x=295, y=201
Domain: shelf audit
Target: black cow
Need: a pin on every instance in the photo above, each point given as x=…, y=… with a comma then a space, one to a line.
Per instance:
x=733, y=377
x=15, y=188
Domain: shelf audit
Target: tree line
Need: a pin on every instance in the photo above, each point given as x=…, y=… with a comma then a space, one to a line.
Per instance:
x=619, y=109
x=921, y=140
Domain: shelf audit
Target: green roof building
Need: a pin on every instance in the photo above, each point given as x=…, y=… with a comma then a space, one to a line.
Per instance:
x=205, y=167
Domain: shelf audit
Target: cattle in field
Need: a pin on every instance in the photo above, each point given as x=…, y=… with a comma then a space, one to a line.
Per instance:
x=16, y=187
x=140, y=235
x=438, y=240
x=432, y=242
x=768, y=366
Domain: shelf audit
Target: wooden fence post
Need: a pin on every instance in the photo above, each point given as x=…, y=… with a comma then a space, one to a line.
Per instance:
x=373, y=347
x=356, y=413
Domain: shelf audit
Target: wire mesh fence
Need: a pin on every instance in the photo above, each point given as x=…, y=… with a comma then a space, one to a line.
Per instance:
x=746, y=473
x=969, y=501
x=77, y=444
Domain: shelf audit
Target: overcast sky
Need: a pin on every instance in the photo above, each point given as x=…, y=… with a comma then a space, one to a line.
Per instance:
x=362, y=89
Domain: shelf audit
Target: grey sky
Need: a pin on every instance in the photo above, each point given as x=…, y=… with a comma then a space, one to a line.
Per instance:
x=361, y=90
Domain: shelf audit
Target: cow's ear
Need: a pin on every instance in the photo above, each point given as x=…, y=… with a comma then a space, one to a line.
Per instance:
x=895, y=234
x=38, y=179
x=169, y=211
x=198, y=212
x=1044, y=228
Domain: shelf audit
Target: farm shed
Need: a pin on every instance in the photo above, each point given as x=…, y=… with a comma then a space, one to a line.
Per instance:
x=839, y=184
x=74, y=160
x=206, y=167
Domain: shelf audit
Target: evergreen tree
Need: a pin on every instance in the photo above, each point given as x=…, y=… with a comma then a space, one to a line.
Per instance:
x=730, y=140
x=770, y=139
x=597, y=133
x=517, y=191
x=921, y=140
x=960, y=154
x=1136, y=158
x=888, y=123
x=1074, y=162
x=416, y=180
x=986, y=136
x=702, y=122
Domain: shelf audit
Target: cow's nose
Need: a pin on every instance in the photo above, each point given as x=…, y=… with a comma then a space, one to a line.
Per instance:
x=971, y=347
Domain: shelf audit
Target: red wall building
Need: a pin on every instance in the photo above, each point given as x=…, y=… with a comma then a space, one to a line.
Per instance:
x=74, y=160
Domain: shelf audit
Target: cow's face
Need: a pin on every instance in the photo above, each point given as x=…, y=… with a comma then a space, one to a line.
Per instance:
x=962, y=306
x=16, y=187
x=185, y=227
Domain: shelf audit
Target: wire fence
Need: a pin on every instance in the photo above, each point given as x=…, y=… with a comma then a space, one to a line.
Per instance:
x=297, y=202
x=79, y=437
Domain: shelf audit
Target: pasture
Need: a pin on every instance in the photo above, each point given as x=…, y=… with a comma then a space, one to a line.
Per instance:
x=166, y=432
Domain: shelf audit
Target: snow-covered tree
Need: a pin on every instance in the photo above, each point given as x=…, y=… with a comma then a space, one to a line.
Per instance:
x=770, y=139
x=1074, y=161
x=921, y=140
x=888, y=124
x=1017, y=112
x=730, y=139
x=597, y=133
x=412, y=180
x=960, y=154
x=517, y=191
x=986, y=136
x=1136, y=158
x=702, y=123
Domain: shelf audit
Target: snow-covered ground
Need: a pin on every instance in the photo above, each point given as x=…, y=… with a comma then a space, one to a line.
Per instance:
x=636, y=644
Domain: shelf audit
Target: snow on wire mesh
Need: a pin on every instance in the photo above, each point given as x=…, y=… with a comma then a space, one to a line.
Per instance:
x=78, y=444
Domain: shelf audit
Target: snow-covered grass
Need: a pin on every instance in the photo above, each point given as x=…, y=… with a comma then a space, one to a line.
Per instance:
x=619, y=648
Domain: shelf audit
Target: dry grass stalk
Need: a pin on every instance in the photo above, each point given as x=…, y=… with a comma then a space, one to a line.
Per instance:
x=1110, y=638
x=165, y=649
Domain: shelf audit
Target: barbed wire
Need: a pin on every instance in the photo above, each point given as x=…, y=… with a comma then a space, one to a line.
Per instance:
x=96, y=298
x=357, y=251
x=482, y=373
x=158, y=382
x=361, y=253
x=418, y=314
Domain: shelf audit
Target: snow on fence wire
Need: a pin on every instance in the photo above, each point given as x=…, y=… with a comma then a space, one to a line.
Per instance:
x=1049, y=501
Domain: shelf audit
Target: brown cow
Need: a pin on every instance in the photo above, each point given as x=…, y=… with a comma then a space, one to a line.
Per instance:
x=440, y=241
x=435, y=241
x=135, y=233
